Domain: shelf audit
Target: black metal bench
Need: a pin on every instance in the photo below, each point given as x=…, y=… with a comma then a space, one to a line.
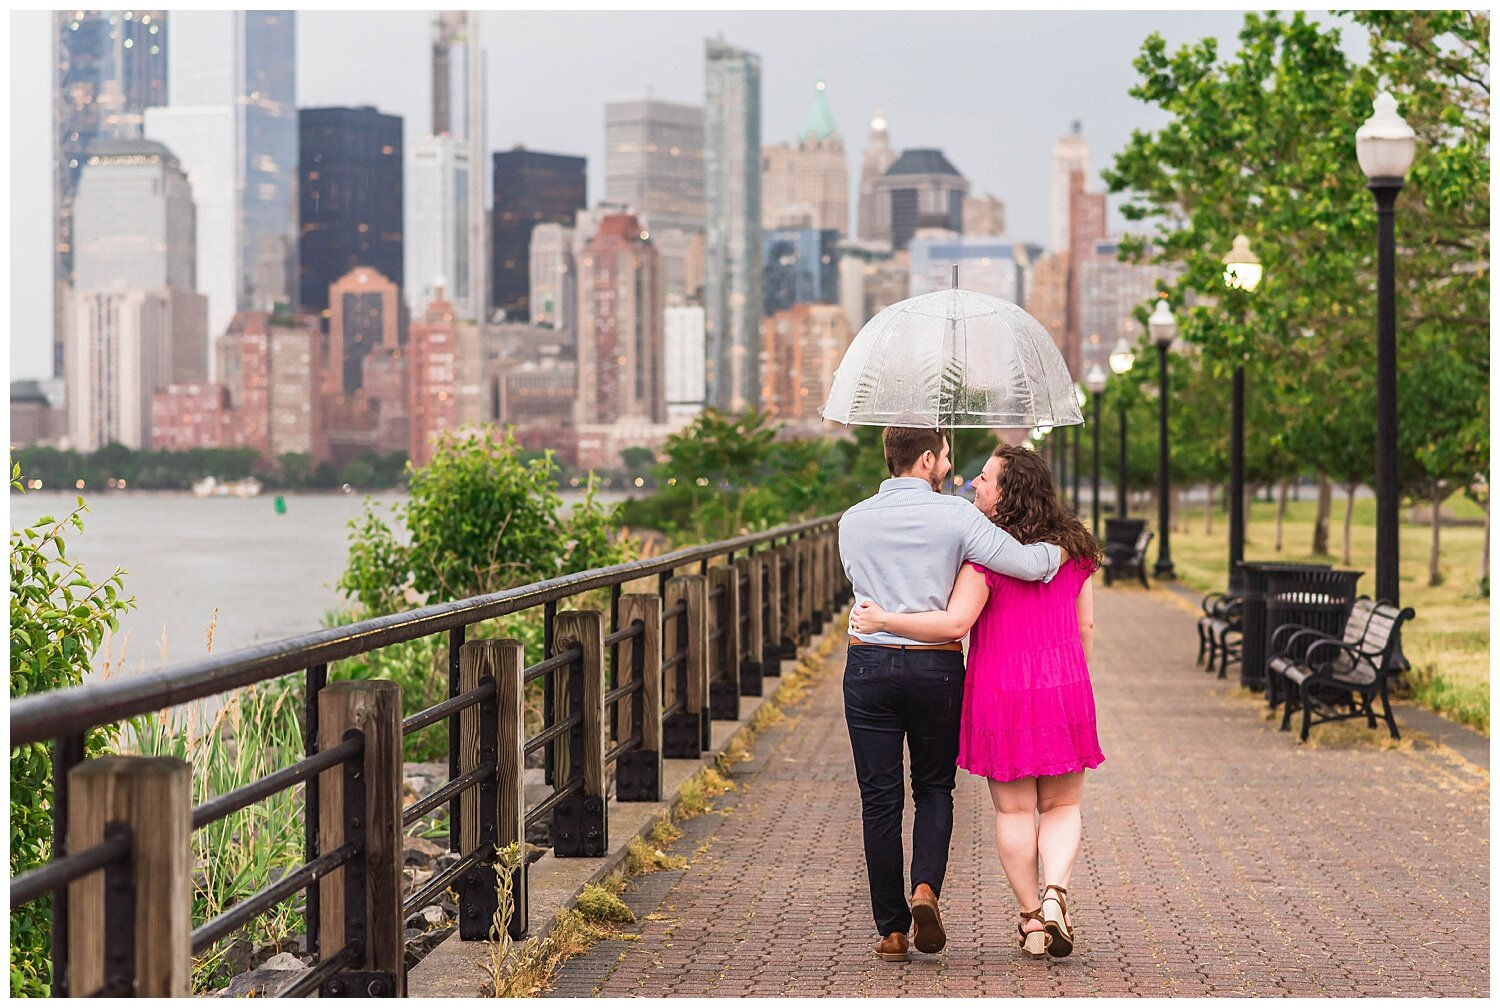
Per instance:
x=1125, y=542
x=1220, y=629
x=1321, y=671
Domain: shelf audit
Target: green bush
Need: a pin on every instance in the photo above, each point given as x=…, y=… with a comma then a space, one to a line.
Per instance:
x=482, y=517
x=58, y=618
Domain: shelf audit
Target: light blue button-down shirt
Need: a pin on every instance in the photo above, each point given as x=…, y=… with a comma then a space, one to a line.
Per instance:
x=903, y=549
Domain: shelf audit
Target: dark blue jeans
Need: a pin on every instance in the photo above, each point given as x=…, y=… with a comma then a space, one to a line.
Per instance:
x=893, y=695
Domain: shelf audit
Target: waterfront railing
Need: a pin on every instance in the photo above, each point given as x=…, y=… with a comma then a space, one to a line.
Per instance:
x=622, y=690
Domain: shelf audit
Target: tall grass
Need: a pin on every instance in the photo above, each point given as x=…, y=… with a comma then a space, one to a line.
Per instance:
x=257, y=732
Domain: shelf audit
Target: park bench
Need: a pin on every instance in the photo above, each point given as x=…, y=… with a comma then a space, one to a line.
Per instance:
x=1125, y=550
x=1352, y=669
x=1220, y=629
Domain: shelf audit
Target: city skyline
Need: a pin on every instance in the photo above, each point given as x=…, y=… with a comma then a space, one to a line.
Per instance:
x=929, y=100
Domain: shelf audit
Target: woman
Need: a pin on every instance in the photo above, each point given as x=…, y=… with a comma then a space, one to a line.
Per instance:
x=1028, y=709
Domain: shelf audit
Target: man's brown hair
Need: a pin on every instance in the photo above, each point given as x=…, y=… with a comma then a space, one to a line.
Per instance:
x=904, y=445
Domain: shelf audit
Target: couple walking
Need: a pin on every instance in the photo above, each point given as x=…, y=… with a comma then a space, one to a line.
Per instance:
x=1012, y=571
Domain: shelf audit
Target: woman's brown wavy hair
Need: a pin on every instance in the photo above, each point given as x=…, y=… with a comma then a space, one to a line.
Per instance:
x=1030, y=510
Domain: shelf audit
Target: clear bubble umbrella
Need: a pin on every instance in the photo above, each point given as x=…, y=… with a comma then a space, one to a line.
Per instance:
x=953, y=358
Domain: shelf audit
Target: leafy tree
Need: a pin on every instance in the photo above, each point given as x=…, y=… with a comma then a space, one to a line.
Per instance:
x=58, y=618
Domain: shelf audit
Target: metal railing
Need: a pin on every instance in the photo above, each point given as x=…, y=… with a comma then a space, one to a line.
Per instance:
x=620, y=691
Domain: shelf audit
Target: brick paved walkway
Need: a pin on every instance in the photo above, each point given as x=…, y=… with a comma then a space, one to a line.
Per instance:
x=1219, y=858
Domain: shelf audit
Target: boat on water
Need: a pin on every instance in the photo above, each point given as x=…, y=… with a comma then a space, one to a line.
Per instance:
x=211, y=487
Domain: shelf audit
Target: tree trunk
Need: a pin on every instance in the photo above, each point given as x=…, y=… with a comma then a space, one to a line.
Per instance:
x=1208, y=509
x=1434, y=573
x=1249, y=500
x=1348, y=520
x=1320, y=523
x=1280, y=513
x=1484, y=553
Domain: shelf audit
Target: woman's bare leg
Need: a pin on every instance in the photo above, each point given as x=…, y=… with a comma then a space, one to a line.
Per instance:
x=1016, y=838
x=1060, y=831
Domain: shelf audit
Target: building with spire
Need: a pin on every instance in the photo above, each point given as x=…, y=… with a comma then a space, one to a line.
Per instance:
x=806, y=185
x=1069, y=154
x=879, y=155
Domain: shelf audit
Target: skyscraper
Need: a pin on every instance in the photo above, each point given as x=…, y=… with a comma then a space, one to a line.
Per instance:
x=111, y=66
x=1086, y=228
x=436, y=231
x=920, y=189
x=807, y=184
x=554, y=277
x=984, y=216
x=458, y=112
x=732, y=253
x=879, y=155
x=989, y=265
x=1069, y=154
x=350, y=196
x=363, y=316
x=653, y=161
x=137, y=322
x=801, y=267
x=531, y=188
x=621, y=366
x=803, y=346
x=233, y=125
x=684, y=350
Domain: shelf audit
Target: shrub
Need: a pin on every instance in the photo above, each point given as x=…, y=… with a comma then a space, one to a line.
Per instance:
x=58, y=618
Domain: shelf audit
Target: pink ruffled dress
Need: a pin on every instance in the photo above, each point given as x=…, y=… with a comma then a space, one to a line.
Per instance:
x=1028, y=704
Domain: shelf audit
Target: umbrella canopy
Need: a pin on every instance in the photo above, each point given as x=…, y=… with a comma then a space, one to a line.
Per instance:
x=953, y=358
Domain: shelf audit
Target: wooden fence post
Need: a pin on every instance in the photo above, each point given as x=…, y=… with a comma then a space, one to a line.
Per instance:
x=687, y=733
x=506, y=661
x=483, y=809
x=724, y=688
x=805, y=589
x=791, y=601
x=638, y=772
x=372, y=707
x=752, y=649
x=138, y=928
x=819, y=548
x=580, y=824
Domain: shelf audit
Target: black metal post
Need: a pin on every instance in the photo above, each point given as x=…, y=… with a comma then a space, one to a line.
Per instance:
x=1124, y=489
x=1387, y=486
x=1077, y=470
x=1237, y=478
x=1163, y=568
x=1098, y=407
x=1062, y=464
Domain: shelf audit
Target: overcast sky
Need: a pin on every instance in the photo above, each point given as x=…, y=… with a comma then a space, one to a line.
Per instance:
x=992, y=90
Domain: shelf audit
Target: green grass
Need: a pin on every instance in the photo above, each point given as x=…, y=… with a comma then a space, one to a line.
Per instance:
x=1448, y=643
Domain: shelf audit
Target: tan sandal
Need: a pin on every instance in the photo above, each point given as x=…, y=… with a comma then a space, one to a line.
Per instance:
x=1060, y=935
x=1033, y=942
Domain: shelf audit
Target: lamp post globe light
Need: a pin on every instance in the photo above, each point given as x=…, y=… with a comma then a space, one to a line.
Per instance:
x=1121, y=361
x=1386, y=147
x=1242, y=272
x=1095, y=381
x=1163, y=328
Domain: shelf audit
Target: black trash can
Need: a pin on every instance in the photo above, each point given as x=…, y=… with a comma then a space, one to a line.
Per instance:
x=1253, y=656
x=1320, y=599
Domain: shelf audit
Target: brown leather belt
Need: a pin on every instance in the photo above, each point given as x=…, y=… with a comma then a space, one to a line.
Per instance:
x=950, y=646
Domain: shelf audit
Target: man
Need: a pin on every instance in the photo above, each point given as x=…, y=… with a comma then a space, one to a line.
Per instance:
x=903, y=549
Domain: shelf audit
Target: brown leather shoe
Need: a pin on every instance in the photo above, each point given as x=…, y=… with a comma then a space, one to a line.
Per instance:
x=927, y=932
x=892, y=948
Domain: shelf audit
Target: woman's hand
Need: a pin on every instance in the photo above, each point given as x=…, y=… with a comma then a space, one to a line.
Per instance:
x=867, y=618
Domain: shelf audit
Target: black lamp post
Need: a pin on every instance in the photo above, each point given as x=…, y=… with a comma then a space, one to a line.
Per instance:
x=1163, y=329
x=1121, y=361
x=1078, y=457
x=1242, y=272
x=1095, y=380
x=1386, y=146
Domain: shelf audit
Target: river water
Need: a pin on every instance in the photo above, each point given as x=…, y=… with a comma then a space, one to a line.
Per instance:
x=191, y=563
